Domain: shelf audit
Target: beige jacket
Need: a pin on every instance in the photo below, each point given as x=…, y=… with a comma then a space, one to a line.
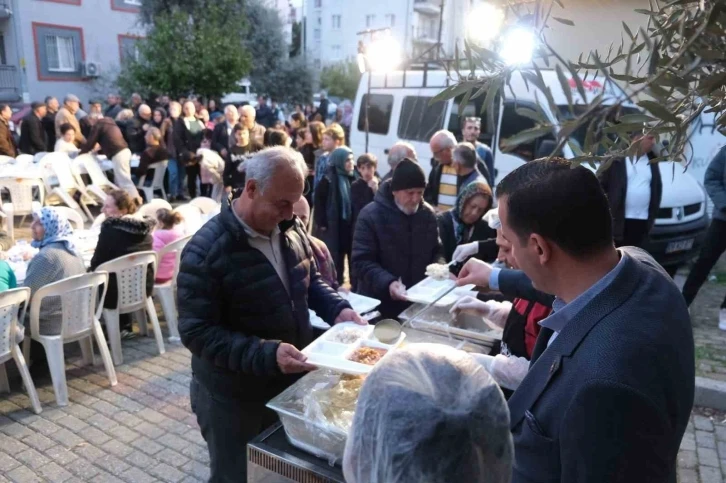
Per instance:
x=64, y=116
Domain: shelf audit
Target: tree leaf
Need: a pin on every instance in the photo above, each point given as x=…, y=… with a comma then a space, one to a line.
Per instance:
x=628, y=31
x=641, y=118
x=659, y=111
x=564, y=21
x=565, y=86
x=525, y=136
x=531, y=114
x=488, y=104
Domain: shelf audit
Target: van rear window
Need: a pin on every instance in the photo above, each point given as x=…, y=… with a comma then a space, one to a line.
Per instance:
x=419, y=119
x=379, y=119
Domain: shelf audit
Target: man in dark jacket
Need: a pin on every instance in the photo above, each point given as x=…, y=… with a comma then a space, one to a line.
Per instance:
x=395, y=238
x=223, y=131
x=610, y=387
x=114, y=106
x=32, y=135
x=52, y=106
x=264, y=114
x=136, y=129
x=715, y=243
x=245, y=283
x=634, y=188
x=107, y=134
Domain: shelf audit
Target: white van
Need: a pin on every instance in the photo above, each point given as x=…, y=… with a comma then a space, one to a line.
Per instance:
x=244, y=94
x=400, y=110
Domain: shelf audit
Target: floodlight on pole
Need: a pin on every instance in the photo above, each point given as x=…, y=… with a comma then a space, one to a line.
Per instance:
x=517, y=46
x=484, y=23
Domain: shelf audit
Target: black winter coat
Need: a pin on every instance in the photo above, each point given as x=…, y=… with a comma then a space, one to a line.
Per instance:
x=388, y=245
x=234, y=309
x=220, y=138
x=119, y=237
x=614, y=181
x=481, y=232
x=135, y=134
x=186, y=142
x=49, y=127
x=33, y=138
x=360, y=196
x=328, y=215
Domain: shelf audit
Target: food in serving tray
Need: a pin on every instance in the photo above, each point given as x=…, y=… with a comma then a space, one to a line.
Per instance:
x=367, y=355
x=437, y=271
x=346, y=336
x=334, y=405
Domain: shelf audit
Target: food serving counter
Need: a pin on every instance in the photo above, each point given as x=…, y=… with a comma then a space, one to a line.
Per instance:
x=316, y=413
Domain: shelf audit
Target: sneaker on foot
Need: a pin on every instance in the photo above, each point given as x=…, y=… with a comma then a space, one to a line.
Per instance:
x=722, y=319
x=127, y=334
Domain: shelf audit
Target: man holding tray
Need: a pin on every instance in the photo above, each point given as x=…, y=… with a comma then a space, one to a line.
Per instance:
x=245, y=283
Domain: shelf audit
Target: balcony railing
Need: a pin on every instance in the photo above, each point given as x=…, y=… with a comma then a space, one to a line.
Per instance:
x=9, y=83
x=427, y=7
x=425, y=35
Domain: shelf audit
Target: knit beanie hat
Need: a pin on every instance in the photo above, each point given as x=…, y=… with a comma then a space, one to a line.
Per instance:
x=408, y=175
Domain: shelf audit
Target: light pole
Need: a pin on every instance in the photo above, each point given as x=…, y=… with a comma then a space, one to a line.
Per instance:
x=382, y=54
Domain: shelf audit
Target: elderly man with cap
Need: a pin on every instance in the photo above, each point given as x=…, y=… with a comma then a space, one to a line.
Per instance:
x=395, y=238
x=67, y=114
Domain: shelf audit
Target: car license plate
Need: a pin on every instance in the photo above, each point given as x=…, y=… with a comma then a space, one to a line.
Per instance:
x=679, y=246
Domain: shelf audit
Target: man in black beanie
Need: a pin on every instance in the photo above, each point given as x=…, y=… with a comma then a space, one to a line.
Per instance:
x=395, y=238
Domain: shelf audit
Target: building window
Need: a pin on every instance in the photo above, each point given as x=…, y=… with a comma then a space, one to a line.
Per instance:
x=370, y=20
x=59, y=51
x=133, y=6
x=316, y=34
x=335, y=52
x=316, y=63
x=420, y=119
x=336, y=21
x=3, y=58
x=390, y=20
x=128, y=47
x=318, y=3
x=379, y=119
x=320, y=21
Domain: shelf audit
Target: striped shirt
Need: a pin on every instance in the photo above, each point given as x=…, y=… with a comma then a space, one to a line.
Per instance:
x=447, y=188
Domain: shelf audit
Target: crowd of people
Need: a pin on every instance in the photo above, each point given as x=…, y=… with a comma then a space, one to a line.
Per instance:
x=586, y=393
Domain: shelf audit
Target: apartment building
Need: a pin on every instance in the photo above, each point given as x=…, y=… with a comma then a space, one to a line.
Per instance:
x=332, y=25
x=55, y=47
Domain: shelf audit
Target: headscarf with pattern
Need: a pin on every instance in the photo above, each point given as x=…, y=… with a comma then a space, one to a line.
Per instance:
x=57, y=230
x=468, y=192
x=338, y=159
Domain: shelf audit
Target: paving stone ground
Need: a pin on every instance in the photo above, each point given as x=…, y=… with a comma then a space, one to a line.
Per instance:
x=142, y=430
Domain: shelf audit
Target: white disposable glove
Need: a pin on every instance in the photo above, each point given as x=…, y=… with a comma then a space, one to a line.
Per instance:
x=495, y=312
x=465, y=251
x=507, y=371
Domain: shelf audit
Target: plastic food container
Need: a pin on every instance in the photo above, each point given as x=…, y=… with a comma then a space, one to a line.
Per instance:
x=329, y=352
x=316, y=436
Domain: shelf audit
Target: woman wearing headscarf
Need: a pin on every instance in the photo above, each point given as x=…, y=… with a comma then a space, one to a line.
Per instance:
x=464, y=223
x=334, y=216
x=56, y=260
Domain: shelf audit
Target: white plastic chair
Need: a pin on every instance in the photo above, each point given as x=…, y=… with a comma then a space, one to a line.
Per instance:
x=39, y=156
x=81, y=309
x=21, y=201
x=61, y=165
x=206, y=205
x=130, y=271
x=10, y=336
x=100, y=184
x=24, y=159
x=6, y=159
x=157, y=184
x=165, y=292
x=192, y=218
x=149, y=209
x=72, y=215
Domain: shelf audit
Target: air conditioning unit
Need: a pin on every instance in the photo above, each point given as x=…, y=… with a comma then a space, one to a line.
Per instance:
x=91, y=69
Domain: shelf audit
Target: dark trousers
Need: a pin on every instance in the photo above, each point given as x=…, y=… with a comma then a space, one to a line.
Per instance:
x=193, y=174
x=713, y=246
x=345, y=248
x=227, y=426
x=635, y=233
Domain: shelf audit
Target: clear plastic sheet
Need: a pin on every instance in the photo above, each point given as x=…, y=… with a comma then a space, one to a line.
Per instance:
x=317, y=412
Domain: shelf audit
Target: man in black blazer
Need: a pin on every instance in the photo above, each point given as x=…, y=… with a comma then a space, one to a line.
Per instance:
x=610, y=387
x=223, y=131
x=33, y=138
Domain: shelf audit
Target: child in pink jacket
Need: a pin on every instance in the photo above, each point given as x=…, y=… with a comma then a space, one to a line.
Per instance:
x=167, y=232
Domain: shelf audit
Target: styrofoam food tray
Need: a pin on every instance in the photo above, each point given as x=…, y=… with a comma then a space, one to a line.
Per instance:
x=323, y=352
x=316, y=321
x=428, y=289
x=360, y=303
